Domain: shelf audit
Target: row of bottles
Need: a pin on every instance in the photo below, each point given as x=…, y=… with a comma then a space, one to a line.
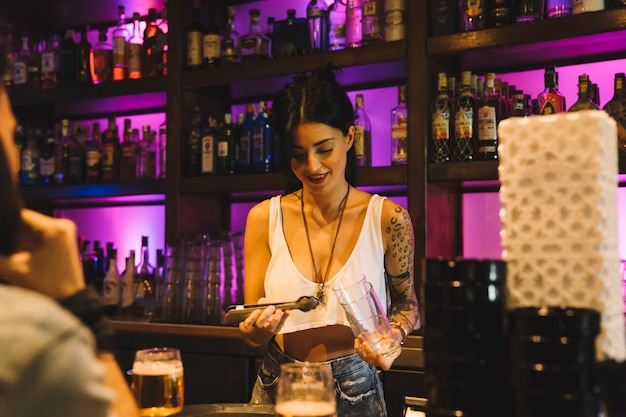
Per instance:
x=449, y=16
x=464, y=122
x=71, y=154
x=338, y=25
x=69, y=58
x=193, y=281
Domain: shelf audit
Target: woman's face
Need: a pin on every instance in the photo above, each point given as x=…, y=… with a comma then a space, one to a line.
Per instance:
x=319, y=155
x=7, y=129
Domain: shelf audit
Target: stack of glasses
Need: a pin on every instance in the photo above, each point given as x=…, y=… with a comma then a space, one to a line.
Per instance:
x=553, y=359
x=467, y=355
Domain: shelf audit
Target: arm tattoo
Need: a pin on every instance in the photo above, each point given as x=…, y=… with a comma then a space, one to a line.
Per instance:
x=404, y=308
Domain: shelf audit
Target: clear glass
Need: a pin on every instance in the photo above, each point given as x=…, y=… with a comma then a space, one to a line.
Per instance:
x=337, y=18
x=157, y=381
x=254, y=45
x=120, y=38
x=100, y=59
x=230, y=39
x=306, y=389
x=317, y=19
x=135, y=50
x=354, y=26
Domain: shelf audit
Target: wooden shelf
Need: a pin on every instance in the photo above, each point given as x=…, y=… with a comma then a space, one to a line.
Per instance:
x=566, y=40
x=82, y=191
x=346, y=58
x=242, y=183
x=463, y=171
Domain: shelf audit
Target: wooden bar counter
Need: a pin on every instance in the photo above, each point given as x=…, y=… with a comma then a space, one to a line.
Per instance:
x=221, y=368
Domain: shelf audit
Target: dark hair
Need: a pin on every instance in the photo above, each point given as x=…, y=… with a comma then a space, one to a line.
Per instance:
x=11, y=202
x=314, y=98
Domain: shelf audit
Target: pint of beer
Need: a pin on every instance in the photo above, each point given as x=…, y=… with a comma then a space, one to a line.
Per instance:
x=158, y=383
x=306, y=390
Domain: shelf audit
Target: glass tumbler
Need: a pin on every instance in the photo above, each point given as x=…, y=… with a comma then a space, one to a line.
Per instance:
x=306, y=390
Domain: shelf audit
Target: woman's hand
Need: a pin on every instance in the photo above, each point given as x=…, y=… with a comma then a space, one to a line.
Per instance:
x=261, y=325
x=372, y=357
x=47, y=257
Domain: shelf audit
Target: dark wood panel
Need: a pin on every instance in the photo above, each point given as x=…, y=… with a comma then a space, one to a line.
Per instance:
x=569, y=39
x=463, y=171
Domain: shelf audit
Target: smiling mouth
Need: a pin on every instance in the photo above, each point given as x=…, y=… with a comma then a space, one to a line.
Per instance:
x=316, y=178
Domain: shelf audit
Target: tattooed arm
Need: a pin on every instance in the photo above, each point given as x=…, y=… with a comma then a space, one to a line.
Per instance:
x=399, y=267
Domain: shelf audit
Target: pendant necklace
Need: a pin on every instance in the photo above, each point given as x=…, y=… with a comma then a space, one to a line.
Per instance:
x=321, y=283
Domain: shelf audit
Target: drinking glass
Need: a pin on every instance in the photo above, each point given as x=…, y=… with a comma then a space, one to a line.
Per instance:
x=306, y=390
x=157, y=381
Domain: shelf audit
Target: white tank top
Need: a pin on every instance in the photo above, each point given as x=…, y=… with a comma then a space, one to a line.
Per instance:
x=284, y=282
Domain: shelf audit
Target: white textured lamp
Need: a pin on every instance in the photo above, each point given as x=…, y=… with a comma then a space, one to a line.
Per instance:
x=559, y=217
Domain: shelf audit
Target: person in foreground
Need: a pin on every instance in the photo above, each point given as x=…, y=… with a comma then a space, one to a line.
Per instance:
x=325, y=232
x=53, y=335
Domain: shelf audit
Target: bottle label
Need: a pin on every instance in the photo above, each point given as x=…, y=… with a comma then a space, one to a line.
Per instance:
x=548, y=107
x=463, y=123
x=487, y=125
x=46, y=167
x=135, y=52
x=93, y=158
x=398, y=130
x=48, y=63
x=359, y=142
x=369, y=8
x=19, y=73
x=222, y=149
x=111, y=291
x=211, y=46
x=207, y=154
x=194, y=48
x=119, y=51
x=473, y=8
x=28, y=162
x=108, y=155
x=440, y=126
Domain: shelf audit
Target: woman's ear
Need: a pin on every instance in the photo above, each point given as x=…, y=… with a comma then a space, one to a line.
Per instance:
x=350, y=135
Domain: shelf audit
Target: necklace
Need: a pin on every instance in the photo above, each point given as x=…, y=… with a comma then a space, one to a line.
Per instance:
x=322, y=283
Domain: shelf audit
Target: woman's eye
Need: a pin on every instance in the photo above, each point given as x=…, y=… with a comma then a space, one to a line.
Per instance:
x=325, y=150
x=298, y=156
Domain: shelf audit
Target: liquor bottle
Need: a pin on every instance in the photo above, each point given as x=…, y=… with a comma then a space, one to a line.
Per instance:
x=558, y=8
x=146, y=154
x=135, y=50
x=75, y=154
x=100, y=269
x=159, y=289
x=194, y=144
x=372, y=21
x=211, y=42
x=520, y=105
x=50, y=63
x=112, y=281
x=489, y=115
x=29, y=165
x=472, y=14
x=128, y=153
x=88, y=262
x=20, y=72
x=269, y=33
x=67, y=60
x=251, y=44
x=594, y=94
x=616, y=108
x=194, y=40
x=317, y=20
x=154, y=47
x=120, y=40
x=62, y=169
x=144, y=295
x=226, y=147
x=354, y=24
x=110, y=153
x=399, y=118
x=11, y=55
x=362, y=134
x=442, y=119
x=337, y=19
x=550, y=100
x=209, y=143
x=243, y=143
x=33, y=68
x=128, y=284
x=291, y=36
x=583, y=102
x=161, y=48
x=93, y=166
x=162, y=149
x=500, y=12
x=230, y=39
x=443, y=16
x=47, y=162
x=262, y=149
x=465, y=121
x=101, y=59
x=83, y=48
x=584, y=6
x=395, y=20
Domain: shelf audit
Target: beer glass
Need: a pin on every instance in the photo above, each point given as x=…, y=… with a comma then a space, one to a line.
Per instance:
x=306, y=390
x=157, y=381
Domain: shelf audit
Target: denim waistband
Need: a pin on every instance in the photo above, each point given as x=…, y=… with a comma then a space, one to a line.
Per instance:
x=339, y=366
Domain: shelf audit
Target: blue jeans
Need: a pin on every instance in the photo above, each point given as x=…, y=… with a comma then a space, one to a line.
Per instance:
x=357, y=385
